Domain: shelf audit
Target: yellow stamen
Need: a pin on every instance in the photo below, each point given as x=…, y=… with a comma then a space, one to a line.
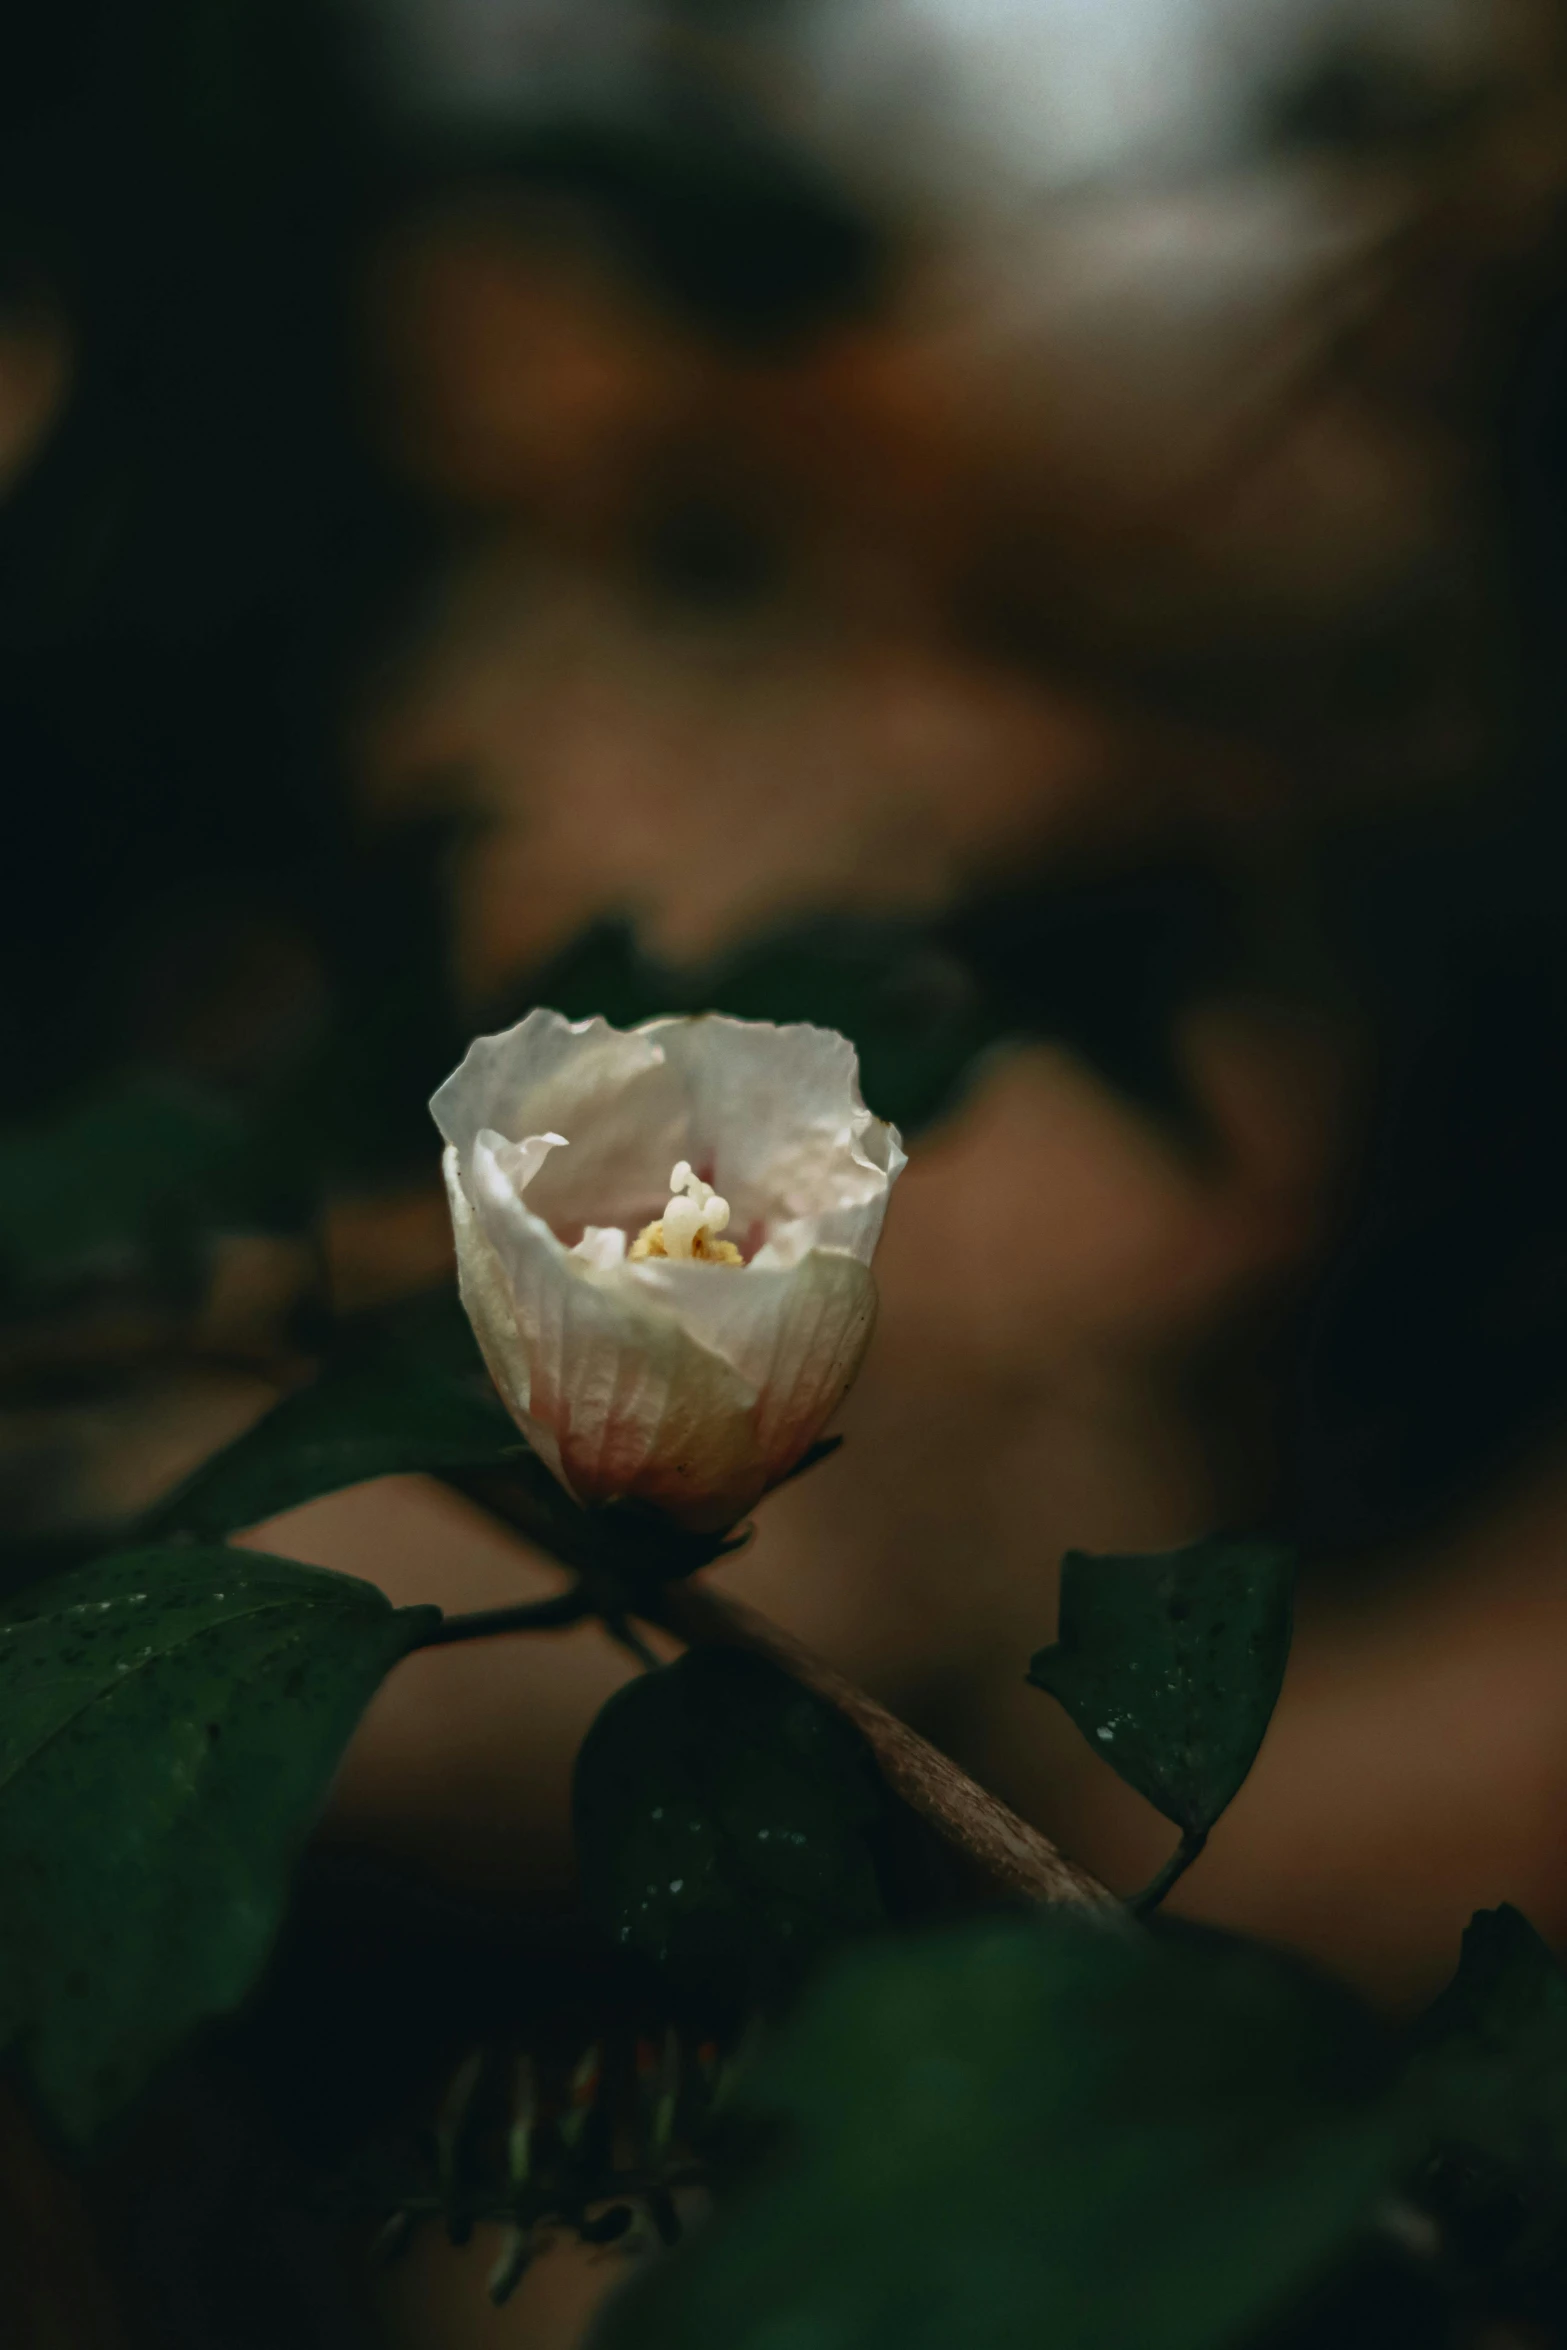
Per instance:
x=690, y=1226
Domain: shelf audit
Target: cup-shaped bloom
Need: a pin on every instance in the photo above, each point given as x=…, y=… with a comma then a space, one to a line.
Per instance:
x=678, y=1351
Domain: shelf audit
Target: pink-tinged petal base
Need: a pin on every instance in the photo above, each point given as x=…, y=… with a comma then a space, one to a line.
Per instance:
x=794, y=1337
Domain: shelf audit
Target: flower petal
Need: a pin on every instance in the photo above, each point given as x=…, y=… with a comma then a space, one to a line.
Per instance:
x=487, y=1301
x=689, y=1387
x=634, y=1405
x=854, y=1227
x=602, y=1246
x=777, y=1115
x=613, y=1096
x=795, y=1336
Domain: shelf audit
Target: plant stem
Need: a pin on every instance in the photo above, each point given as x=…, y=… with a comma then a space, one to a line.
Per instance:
x=539, y=1615
x=1016, y=1859
x=1145, y=1903
x=1013, y=1858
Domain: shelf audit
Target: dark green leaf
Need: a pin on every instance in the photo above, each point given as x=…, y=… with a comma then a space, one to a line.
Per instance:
x=1040, y=2132
x=428, y=1331
x=372, y=1420
x=131, y=1172
x=1507, y=2002
x=911, y=1009
x=1171, y=1666
x=169, y=1724
x=1104, y=962
x=1490, y=2077
x=724, y=1823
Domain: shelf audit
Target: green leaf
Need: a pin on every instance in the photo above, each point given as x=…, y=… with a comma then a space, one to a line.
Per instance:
x=1171, y=1666
x=911, y=1009
x=725, y=1821
x=170, y=1721
x=1490, y=2077
x=369, y=1420
x=1040, y=2132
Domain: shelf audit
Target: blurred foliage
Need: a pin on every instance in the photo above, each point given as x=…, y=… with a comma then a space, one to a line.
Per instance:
x=1165, y=2137
x=133, y=1173
x=1139, y=2144
x=1104, y=967
x=1491, y=2070
x=198, y=570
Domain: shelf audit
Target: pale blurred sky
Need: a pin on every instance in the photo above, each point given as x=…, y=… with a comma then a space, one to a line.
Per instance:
x=1049, y=93
x=1043, y=93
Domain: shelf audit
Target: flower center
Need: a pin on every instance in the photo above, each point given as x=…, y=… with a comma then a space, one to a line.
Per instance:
x=690, y=1225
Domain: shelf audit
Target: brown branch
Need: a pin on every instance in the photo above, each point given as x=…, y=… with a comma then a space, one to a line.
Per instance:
x=1012, y=1858
x=1011, y=1855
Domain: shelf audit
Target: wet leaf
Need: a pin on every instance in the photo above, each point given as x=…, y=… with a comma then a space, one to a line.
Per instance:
x=170, y=1721
x=1171, y=1665
x=725, y=1823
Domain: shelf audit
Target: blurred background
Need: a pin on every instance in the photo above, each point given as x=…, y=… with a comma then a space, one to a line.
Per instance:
x=1031, y=531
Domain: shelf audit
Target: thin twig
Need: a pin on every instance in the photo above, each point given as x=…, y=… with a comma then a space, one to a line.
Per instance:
x=538, y=1615
x=1143, y=1904
x=625, y=1635
x=1016, y=1859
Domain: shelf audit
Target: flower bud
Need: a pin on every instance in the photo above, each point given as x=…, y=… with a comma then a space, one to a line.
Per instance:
x=663, y=1243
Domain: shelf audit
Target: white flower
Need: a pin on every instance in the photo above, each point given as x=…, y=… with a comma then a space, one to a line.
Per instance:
x=681, y=1351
